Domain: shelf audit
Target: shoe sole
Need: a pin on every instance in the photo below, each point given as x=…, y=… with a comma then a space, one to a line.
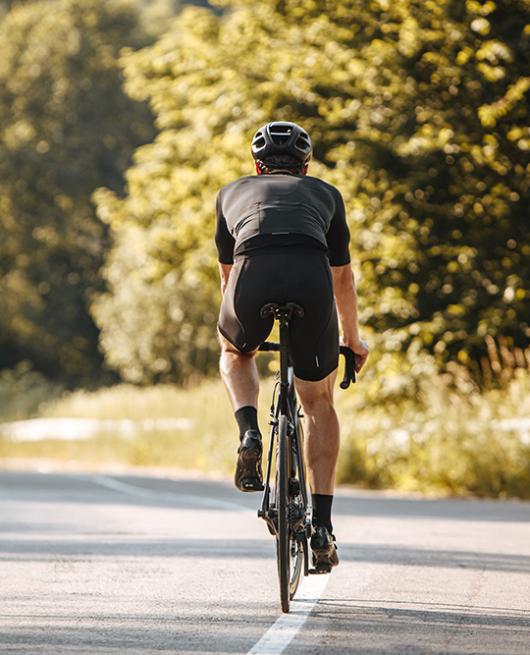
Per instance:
x=246, y=478
x=323, y=560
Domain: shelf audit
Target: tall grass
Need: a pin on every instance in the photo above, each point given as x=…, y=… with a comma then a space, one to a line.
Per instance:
x=450, y=435
x=208, y=443
x=447, y=438
x=23, y=391
x=445, y=442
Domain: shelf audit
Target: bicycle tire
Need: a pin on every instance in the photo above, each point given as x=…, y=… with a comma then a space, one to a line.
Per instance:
x=302, y=561
x=282, y=506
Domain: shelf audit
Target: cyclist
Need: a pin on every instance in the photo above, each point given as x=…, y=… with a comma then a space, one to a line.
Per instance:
x=282, y=236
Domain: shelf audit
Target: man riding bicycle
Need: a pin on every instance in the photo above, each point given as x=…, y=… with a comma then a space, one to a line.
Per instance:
x=282, y=237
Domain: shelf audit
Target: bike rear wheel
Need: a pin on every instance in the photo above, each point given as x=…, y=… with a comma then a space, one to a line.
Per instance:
x=282, y=504
x=289, y=548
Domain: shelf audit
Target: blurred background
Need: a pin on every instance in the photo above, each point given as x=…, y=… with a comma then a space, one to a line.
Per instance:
x=120, y=120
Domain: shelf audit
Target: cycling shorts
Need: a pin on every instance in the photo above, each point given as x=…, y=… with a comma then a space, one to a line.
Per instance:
x=284, y=276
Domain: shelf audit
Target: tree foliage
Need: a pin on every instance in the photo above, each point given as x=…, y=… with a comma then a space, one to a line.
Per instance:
x=418, y=114
x=67, y=127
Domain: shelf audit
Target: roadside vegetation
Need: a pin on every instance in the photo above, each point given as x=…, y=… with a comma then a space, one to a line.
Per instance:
x=442, y=437
x=120, y=119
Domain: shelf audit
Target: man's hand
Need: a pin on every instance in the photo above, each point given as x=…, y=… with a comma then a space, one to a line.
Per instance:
x=361, y=350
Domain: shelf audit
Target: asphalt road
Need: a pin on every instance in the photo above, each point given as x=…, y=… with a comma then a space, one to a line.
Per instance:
x=137, y=565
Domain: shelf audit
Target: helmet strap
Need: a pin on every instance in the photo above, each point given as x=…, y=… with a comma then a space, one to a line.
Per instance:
x=261, y=169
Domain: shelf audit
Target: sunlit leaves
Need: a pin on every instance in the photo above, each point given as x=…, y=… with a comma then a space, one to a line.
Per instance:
x=66, y=128
x=418, y=114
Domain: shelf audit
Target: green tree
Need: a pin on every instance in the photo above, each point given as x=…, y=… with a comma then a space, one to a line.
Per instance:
x=418, y=113
x=67, y=127
x=5, y=5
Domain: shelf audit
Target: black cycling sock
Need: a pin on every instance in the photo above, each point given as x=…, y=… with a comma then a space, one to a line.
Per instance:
x=322, y=511
x=247, y=419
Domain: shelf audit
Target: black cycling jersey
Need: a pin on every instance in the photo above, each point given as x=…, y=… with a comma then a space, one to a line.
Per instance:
x=281, y=210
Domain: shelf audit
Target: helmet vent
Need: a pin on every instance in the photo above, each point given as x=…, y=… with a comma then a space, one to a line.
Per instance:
x=281, y=128
x=281, y=134
x=303, y=144
x=281, y=138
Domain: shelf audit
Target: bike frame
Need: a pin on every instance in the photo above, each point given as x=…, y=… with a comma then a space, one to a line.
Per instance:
x=286, y=404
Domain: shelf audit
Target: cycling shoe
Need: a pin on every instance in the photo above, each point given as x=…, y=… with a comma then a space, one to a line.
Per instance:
x=248, y=475
x=324, y=549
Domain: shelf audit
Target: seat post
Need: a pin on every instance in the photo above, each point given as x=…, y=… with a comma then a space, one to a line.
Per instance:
x=284, y=360
x=283, y=314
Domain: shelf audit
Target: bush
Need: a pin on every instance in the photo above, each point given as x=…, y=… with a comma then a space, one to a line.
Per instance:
x=444, y=442
x=23, y=391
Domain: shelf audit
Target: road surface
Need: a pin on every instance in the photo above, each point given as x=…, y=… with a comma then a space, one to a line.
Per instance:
x=95, y=564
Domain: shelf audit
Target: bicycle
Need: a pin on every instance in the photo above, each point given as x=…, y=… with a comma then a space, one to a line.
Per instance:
x=286, y=507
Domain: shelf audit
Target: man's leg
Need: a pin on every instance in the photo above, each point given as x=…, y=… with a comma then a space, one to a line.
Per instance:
x=322, y=449
x=240, y=377
x=322, y=432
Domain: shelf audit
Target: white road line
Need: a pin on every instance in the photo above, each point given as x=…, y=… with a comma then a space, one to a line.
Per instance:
x=125, y=488
x=142, y=492
x=284, y=630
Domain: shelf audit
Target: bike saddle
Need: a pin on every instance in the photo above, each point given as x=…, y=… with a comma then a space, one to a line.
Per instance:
x=286, y=311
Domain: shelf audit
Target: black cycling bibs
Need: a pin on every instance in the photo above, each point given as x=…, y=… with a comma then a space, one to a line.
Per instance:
x=261, y=211
x=287, y=276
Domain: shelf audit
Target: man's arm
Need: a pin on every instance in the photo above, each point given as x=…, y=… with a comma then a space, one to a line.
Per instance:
x=225, y=244
x=224, y=274
x=346, y=299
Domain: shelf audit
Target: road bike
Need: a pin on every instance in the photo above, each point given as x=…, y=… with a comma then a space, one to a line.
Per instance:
x=286, y=505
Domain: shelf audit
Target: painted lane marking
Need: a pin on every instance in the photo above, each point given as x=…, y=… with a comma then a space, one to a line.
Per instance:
x=286, y=627
x=284, y=630
x=142, y=492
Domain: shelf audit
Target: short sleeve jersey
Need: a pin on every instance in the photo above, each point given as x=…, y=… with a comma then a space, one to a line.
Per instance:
x=281, y=209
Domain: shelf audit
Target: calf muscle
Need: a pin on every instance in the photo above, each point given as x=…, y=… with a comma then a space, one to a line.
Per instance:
x=322, y=432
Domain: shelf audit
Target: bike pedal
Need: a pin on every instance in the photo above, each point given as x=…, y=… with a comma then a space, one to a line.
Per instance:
x=272, y=528
x=321, y=570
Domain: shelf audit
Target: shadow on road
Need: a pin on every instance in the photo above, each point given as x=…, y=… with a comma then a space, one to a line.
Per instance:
x=137, y=633
x=43, y=547
x=379, y=628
